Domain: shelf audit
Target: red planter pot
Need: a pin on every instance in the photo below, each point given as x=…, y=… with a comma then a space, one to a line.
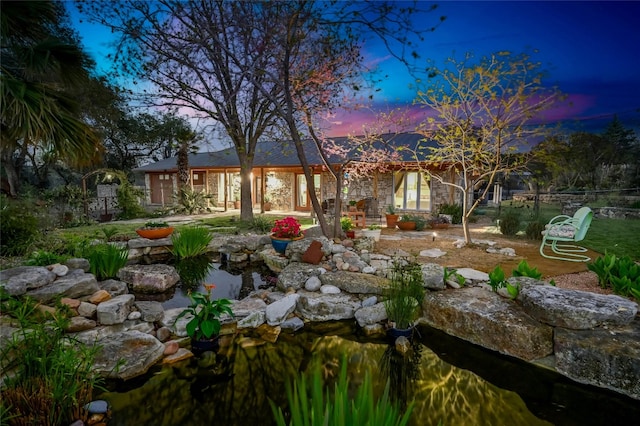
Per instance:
x=406, y=226
x=155, y=233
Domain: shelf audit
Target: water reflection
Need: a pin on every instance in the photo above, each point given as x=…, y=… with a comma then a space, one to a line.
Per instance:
x=233, y=387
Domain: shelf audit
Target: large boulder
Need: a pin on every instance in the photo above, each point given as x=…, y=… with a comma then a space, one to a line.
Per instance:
x=17, y=281
x=127, y=354
x=602, y=357
x=149, y=278
x=116, y=310
x=484, y=318
x=575, y=309
x=295, y=274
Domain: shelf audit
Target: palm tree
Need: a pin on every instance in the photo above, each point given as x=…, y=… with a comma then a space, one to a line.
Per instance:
x=40, y=60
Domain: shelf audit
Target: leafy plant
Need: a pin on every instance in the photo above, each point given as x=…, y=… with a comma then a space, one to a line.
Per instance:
x=109, y=232
x=374, y=226
x=289, y=227
x=391, y=209
x=105, y=260
x=129, y=199
x=346, y=223
x=206, y=314
x=453, y=273
x=524, y=270
x=497, y=278
x=312, y=404
x=43, y=258
x=191, y=201
x=193, y=270
x=53, y=373
x=454, y=210
x=405, y=293
x=190, y=241
x=419, y=220
x=261, y=224
x=154, y=225
x=621, y=274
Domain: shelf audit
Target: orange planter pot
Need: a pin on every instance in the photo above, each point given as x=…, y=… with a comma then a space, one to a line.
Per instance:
x=155, y=233
x=406, y=226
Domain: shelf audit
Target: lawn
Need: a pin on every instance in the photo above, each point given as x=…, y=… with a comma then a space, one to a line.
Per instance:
x=616, y=236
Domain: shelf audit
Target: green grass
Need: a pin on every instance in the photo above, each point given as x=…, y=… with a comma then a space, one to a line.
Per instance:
x=615, y=236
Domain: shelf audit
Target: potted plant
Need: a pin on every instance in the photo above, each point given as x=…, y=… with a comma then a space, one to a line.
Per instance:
x=204, y=327
x=267, y=204
x=347, y=226
x=439, y=222
x=284, y=231
x=404, y=297
x=352, y=205
x=372, y=231
x=153, y=230
x=391, y=216
x=236, y=202
x=406, y=223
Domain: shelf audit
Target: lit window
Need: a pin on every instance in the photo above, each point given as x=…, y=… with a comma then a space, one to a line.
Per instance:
x=411, y=191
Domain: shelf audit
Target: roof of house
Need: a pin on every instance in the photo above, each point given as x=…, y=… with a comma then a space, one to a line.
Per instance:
x=279, y=154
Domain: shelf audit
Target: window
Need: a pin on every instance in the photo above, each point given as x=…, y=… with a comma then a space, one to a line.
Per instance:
x=411, y=191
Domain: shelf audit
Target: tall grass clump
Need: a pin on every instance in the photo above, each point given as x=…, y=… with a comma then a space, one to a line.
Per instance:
x=190, y=241
x=261, y=224
x=19, y=228
x=51, y=376
x=405, y=293
x=510, y=223
x=311, y=403
x=105, y=260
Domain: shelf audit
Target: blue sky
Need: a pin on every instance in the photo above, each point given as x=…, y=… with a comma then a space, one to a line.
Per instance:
x=591, y=50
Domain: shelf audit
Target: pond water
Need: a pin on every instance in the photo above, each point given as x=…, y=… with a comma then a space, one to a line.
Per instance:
x=451, y=380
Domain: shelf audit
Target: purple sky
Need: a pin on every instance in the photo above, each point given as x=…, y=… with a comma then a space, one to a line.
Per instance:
x=591, y=50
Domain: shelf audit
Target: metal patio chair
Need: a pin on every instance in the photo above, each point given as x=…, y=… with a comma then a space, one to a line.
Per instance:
x=563, y=230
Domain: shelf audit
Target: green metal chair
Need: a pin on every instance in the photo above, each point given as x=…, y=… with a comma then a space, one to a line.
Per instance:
x=562, y=230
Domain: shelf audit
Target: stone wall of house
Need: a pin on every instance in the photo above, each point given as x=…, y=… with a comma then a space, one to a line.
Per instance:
x=280, y=188
x=213, y=189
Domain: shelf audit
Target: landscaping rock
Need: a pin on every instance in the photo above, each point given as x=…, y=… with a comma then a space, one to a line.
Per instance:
x=17, y=281
x=354, y=282
x=371, y=315
x=150, y=311
x=78, y=263
x=484, y=318
x=433, y=276
x=601, y=357
x=116, y=310
x=575, y=309
x=295, y=274
x=138, y=351
x=76, y=284
x=247, y=306
x=114, y=287
x=278, y=311
x=149, y=278
x=326, y=307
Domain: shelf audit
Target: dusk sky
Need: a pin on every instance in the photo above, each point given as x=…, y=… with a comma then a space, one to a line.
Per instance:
x=591, y=50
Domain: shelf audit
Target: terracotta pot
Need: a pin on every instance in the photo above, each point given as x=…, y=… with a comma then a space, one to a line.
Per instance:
x=155, y=233
x=350, y=234
x=439, y=225
x=406, y=226
x=392, y=219
x=267, y=207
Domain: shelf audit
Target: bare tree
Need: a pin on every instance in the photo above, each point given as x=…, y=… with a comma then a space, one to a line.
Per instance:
x=480, y=115
x=197, y=55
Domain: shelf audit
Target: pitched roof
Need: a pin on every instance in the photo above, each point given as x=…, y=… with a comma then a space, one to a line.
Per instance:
x=277, y=154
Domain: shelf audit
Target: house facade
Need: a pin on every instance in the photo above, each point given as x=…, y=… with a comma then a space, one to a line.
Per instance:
x=278, y=176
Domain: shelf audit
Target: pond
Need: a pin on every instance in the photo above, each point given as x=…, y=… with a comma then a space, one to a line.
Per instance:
x=452, y=382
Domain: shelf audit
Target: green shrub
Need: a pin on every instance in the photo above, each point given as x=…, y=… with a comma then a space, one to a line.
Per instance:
x=510, y=223
x=43, y=258
x=19, y=227
x=191, y=201
x=53, y=373
x=534, y=230
x=455, y=210
x=261, y=224
x=190, y=241
x=621, y=274
x=129, y=200
x=524, y=270
x=405, y=293
x=105, y=260
x=312, y=403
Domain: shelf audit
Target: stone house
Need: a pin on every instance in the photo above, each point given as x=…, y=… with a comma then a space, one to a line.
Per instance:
x=278, y=175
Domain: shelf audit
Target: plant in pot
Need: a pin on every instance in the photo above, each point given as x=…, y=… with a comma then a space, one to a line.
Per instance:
x=204, y=327
x=267, y=204
x=404, y=297
x=284, y=231
x=391, y=216
x=372, y=231
x=406, y=222
x=154, y=230
x=352, y=205
x=347, y=226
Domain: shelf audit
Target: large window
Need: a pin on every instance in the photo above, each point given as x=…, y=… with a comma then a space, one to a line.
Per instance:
x=411, y=191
